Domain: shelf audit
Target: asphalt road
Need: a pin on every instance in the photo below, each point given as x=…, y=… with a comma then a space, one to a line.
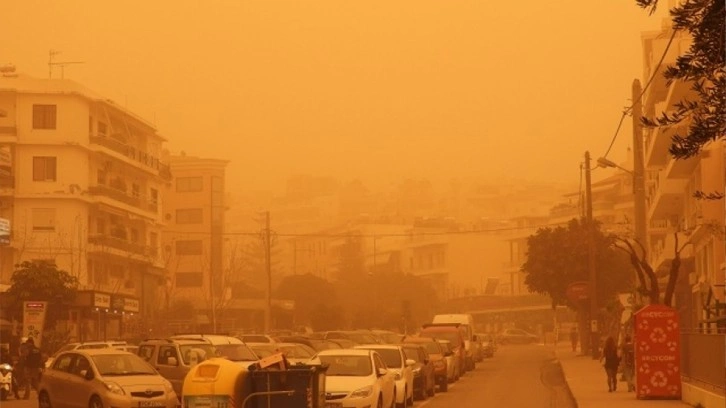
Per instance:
x=512, y=379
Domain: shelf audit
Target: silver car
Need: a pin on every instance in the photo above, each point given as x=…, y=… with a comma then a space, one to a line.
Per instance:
x=99, y=378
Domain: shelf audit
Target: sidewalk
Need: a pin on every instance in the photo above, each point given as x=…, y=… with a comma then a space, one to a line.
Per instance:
x=587, y=381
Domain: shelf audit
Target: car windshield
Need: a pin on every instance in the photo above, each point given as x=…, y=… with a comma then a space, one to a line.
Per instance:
x=350, y=366
x=235, y=352
x=296, y=351
x=391, y=357
x=121, y=364
x=204, y=351
x=432, y=348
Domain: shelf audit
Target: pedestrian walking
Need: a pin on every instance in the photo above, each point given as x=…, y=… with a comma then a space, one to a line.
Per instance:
x=574, y=337
x=611, y=363
x=627, y=354
x=32, y=367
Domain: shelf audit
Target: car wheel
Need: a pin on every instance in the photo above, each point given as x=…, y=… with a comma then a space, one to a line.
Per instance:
x=44, y=400
x=95, y=402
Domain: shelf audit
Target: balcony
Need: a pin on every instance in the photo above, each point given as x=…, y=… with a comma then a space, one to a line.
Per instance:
x=102, y=242
x=7, y=185
x=117, y=194
x=665, y=197
x=136, y=155
x=683, y=168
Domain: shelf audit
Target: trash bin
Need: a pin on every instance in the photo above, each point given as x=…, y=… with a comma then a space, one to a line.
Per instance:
x=307, y=382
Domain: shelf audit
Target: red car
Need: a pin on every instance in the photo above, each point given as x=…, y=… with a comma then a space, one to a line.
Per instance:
x=453, y=334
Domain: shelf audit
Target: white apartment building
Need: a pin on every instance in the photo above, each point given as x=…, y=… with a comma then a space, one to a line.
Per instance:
x=82, y=190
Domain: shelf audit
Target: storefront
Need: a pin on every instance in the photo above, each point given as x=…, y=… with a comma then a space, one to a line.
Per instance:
x=102, y=316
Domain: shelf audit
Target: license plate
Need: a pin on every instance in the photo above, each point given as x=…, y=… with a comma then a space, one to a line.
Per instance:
x=150, y=404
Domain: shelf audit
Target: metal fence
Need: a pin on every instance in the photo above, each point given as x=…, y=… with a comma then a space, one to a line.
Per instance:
x=703, y=360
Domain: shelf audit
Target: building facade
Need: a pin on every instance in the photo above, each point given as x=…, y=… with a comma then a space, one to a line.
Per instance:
x=81, y=187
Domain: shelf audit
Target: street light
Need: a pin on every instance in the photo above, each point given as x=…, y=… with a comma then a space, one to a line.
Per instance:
x=603, y=162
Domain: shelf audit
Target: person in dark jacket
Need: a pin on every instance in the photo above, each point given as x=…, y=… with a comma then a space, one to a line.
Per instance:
x=612, y=361
x=32, y=367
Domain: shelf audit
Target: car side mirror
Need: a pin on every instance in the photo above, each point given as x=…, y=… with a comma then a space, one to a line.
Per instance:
x=382, y=372
x=172, y=361
x=410, y=362
x=87, y=374
x=449, y=353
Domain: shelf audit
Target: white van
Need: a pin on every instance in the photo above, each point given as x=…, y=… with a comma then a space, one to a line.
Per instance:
x=465, y=321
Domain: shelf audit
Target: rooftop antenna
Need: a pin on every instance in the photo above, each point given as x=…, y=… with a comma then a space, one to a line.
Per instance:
x=62, y=65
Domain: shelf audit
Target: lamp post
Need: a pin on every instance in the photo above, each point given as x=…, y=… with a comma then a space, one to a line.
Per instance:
x=594, y=336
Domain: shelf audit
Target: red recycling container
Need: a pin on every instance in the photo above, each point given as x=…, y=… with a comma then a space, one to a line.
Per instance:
x=657, y=353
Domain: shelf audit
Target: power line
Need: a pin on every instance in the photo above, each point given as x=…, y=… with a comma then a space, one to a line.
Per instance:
x=373, y=235
x=627, y=110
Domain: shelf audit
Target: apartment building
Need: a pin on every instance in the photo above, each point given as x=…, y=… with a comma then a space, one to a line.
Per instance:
x=80, y=186
x=193, y=238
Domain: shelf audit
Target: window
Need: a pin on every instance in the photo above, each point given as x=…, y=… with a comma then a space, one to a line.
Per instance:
x=189, y=247
x=166, y=354
x=100, y=226
x=44, y=116
x=101, y=129
x=44, y=168
x=188, y=184
x=135, y=190
x=188, y=279
x=153, y=199
x=43, y=219
x=189, y=216
x=63, y=363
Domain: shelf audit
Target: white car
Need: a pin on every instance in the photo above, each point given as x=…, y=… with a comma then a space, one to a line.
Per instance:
x=357, y=378
x=395, y=359
x=89, y=345
x=98, y=378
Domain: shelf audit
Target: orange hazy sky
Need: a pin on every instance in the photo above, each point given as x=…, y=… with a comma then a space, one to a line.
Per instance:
x=377, y=90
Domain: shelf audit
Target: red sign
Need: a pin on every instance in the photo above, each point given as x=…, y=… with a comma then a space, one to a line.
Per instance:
x=578, y=292
x=657, y=353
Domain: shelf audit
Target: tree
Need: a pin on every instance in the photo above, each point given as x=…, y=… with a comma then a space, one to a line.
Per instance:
x=310, y=294
x=42, y=281
x=704, y=67
x=557, y=257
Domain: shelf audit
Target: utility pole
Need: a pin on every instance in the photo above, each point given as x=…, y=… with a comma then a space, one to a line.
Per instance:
x=641, y=231
x=594, y=337
x=268, y=265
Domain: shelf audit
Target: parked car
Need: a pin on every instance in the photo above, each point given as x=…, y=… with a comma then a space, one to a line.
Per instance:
x=396, y=361
x=257, y=338
x=453, y=370
x=294, y=352
x=424, y=377
x=316, y=344
x=97, y=378
x=356, y=336
x=173, y=358
x=357, y=379
x=388, y=337
x=517, y=336
x=455, y=336
x=229, y=347
x=88, y=345
x=437, y=354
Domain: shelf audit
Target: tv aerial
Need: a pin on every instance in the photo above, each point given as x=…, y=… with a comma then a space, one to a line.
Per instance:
x=62, y=64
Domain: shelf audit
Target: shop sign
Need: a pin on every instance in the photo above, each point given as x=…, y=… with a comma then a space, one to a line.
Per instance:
x=578, y=292
x=4, y=231
x=34, y=320
x=131, y=305
x=101, y=300
x=657, y=353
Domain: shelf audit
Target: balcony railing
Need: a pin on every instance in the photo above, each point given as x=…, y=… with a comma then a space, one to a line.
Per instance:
x=109, y=241
x=133, y=153
x=124, y=197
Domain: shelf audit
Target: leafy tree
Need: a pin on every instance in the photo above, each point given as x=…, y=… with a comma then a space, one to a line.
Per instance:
x=42, y=281
x=704, y=67
x=309, y=292
x=558, y=257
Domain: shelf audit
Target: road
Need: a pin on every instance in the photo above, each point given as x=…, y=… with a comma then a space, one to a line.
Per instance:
x=511, y=379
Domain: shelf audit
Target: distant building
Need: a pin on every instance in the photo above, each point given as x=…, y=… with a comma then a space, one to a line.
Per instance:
x=80, y=186
x=194, y=211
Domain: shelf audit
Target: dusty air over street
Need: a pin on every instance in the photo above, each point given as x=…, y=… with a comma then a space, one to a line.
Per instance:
x=363, y=204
